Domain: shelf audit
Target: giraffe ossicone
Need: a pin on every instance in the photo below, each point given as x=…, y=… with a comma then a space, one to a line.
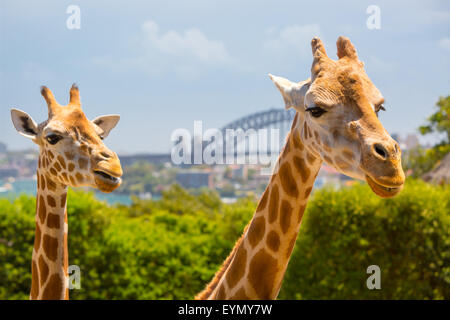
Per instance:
x=71, y=153
x=337, y=123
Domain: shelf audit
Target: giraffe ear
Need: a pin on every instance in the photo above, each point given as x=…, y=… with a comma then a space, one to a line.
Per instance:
x=24, y=124
x=106, y=124
x=293, y=93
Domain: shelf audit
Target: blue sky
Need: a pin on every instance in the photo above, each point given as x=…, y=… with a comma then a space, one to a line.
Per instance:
x=163, y=64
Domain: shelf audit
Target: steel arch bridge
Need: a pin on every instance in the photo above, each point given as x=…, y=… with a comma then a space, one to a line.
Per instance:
x=280, y=119
x=261, y=120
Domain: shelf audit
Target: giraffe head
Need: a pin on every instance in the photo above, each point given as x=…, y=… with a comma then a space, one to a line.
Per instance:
x=339, y=108
x=71, y=148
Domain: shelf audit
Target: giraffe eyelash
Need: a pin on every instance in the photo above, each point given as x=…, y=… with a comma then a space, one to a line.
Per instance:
x=379, y=108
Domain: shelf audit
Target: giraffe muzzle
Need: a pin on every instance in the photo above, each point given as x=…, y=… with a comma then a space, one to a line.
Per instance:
x=383, y=191
x=105, y=181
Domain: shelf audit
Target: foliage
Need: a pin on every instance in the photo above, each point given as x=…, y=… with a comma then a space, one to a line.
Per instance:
x=440, y=120
x=344, y=232
x=142, y=177
x=170, y=248
x=422, y=160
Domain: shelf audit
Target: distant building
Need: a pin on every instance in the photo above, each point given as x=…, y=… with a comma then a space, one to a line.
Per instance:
x=195, y=179
x=3, y=147
x=239, y=171
x=7, y=172
x=127, y=160
x=411, y=141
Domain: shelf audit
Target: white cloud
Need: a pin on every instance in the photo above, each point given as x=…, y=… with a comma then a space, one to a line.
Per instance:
x=445, y=43
x=187, y=54
x=191, y=43
x=291, y=40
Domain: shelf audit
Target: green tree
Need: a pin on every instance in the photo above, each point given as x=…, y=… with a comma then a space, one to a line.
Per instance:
x=421, y=160
x=346, y=231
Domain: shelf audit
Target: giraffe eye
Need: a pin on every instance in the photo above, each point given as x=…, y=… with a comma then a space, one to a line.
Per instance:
x=315, y=111
x=53, y=138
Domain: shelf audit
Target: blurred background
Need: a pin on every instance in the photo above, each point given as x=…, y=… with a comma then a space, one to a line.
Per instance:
x=165, y=64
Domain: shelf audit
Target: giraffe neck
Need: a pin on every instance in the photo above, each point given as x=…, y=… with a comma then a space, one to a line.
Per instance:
x=259, y=260
x=50, y=255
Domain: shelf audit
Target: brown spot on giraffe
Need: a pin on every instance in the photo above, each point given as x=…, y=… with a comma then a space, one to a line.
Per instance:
x=37, y=238
x=50, y=155
x=84, y=149
x=62, y=161
x=54, y=288
x=262, y=273
x=69, y=155
x=301, y=167
x=236, y=272
x=71, y=167
x=43, y=270
x=65, y=255
x=256, y=230
x=287, y=181
x=53, y=221
x=307, y=192
x=341, y=163
x=50, y=246
x=42, y=182
x=348, y=154
x=64, y=177
x=35, y=281
x=221, y=293
x=63, y=199
x=301, y=210
x=291, y=246
x=82, y=163
x=50, y=184
x=57, y=167
x=51, y=201
x=273, y=203
x=42, y=211
x=310, y=158
x=328, y=159
x=79, y=178
x=273, y=240
x=285, y=216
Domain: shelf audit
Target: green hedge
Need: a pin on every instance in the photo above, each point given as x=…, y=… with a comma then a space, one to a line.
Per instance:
x=169, y=249
x=344, y=232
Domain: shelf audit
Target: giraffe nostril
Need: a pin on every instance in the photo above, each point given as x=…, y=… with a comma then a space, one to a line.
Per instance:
x=379, y=149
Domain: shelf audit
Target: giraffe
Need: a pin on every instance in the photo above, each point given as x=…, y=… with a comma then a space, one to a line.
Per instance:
x=336, y=122
x=71, y=153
